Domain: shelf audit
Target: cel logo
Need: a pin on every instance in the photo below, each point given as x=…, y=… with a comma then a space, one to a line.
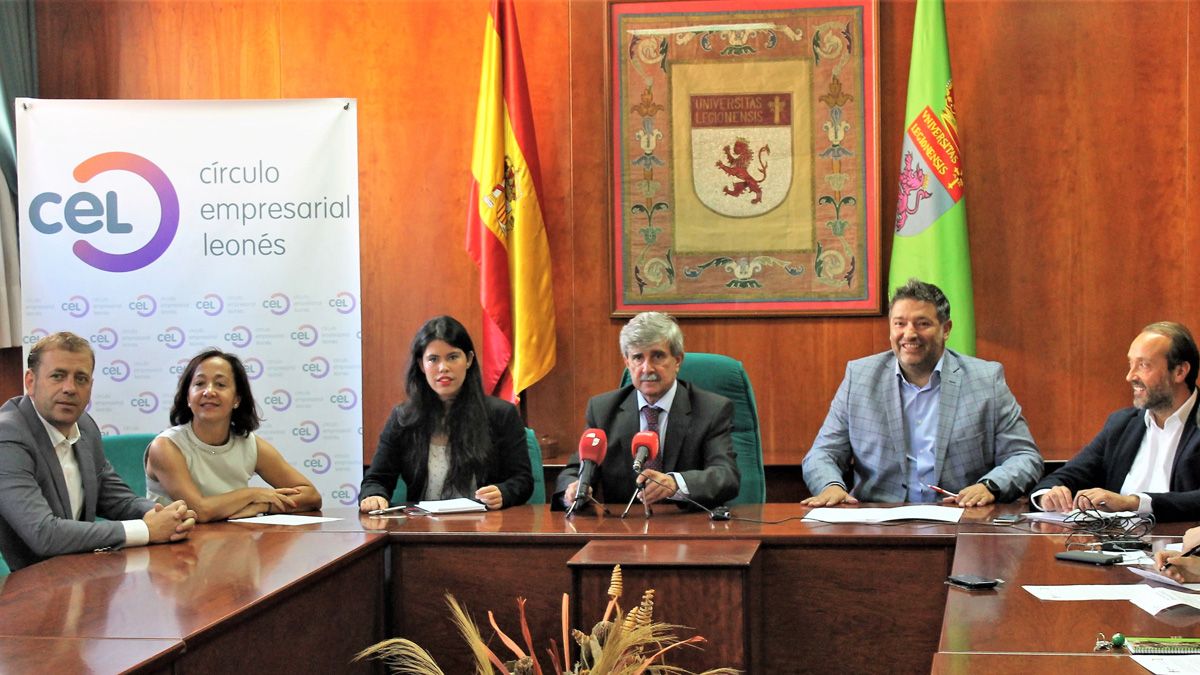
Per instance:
x=87, y=212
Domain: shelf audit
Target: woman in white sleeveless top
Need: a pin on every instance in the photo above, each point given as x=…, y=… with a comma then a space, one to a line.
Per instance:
x=208, y=457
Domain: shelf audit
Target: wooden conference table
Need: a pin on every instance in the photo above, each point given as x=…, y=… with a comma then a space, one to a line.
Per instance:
x=777, y=597
x=1009, y=630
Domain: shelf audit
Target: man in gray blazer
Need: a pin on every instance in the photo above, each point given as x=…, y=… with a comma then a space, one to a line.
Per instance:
x=696, y=459
x=919, y=416
x=54, y=479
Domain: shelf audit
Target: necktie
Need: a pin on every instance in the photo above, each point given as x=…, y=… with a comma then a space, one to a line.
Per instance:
x=652, y=413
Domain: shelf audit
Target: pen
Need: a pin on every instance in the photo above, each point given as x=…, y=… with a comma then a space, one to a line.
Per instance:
x=941, y=491
x=380, y=512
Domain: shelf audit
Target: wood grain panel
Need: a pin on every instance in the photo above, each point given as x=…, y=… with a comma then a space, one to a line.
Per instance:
x=857, y=607
x=676, y=571
x=483, y=578
x=1077, y=125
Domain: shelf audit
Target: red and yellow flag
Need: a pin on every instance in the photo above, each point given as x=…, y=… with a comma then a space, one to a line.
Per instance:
x=505, y=233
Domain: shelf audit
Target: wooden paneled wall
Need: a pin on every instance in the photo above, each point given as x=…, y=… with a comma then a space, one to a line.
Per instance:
x=1075, y=118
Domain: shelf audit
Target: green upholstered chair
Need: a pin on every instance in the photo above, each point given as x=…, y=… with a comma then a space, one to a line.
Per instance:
x=400, y=494
x=535, y=467
x=725, y=376
x=3, y=567
x=126, y=452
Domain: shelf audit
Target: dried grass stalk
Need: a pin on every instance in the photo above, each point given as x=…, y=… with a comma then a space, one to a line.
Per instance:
x=484, y=658
x=401, y=655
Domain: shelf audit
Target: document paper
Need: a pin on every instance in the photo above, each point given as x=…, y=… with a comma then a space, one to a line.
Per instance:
x=944, y=514
x=460, y=505
x=283, y=519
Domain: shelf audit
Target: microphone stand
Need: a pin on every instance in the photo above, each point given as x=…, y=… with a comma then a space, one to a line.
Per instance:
x=600, y=508
x=632, y=497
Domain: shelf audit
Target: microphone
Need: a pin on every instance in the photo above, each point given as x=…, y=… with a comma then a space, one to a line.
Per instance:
x=644, y=449
x=592, y=447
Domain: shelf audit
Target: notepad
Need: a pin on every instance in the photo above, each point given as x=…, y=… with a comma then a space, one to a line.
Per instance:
x=1147, y=645
x=1167, y=664
x=460, y=505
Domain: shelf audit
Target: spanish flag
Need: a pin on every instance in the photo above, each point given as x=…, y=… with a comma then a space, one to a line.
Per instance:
x=505, y=233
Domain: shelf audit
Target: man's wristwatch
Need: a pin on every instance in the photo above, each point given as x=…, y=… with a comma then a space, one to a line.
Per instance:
x=991, y=486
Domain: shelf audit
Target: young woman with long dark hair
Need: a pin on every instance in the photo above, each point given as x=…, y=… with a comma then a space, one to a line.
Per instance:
x=449, y=439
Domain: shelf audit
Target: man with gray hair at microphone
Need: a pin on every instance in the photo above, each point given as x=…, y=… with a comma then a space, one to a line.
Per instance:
x=694, y=427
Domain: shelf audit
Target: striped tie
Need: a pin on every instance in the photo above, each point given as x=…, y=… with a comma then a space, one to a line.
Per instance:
x=652, y=413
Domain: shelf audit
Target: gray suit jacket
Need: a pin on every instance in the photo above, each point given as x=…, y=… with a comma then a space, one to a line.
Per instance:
x=698, y=445
x=981, y=433
x=35, y=513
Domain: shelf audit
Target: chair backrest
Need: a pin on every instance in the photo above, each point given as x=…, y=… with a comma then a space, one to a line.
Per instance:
x=725, y=376
x=126, y=452
x=400, y=494
x=535, y=467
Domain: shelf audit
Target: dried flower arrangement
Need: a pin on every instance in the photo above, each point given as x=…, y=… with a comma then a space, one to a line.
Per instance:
x=630, y=646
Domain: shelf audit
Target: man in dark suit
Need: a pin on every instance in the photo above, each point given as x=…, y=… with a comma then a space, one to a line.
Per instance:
x=1146, y=458
x=695, y=426
x=54, y=479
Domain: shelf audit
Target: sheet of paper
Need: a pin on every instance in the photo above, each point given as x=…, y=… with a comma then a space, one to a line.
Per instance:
x=1086, y=592
x=1155, y=599
x=1154, y=575
x=283, y=519
x=1167, y=664
x=460, y=505
x=1045, y=516
x=944, y=514
x=1074, y=515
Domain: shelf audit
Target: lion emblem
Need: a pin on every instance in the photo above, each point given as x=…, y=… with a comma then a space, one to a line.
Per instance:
x=737, y=166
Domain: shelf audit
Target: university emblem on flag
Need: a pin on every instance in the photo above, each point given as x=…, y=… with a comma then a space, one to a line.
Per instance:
x=741, y=151
x=931, y=180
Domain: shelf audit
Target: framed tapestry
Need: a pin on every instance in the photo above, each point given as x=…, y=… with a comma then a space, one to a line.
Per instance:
x=745, y=157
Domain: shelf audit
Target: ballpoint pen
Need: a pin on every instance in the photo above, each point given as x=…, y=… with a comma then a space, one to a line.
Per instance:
x=941, y=491
x=380, y=512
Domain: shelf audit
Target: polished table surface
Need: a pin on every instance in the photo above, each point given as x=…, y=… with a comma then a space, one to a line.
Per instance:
x=1032, y=625
x=1024, y=664
x=180, y=589
x=228, y=594
x=87, y=655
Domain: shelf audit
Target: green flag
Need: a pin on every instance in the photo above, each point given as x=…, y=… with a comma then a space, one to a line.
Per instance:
x=931, y=217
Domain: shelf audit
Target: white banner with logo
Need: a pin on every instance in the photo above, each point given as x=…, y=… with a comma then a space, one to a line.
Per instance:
x=156, y=229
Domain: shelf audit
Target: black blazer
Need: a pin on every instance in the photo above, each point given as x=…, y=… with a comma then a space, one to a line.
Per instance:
x=1105, y=463
x=698, y=445
x=508, y=467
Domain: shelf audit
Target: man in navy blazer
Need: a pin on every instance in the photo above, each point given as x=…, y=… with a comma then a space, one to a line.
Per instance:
x=696, y=426
x=921, y=415
x=1147, y=457
x=54, y=479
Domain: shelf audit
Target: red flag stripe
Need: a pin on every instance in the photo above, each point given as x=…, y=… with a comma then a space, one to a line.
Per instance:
x=516, y=90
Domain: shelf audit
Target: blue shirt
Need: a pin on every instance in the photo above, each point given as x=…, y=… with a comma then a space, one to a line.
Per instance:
x=919, y=406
